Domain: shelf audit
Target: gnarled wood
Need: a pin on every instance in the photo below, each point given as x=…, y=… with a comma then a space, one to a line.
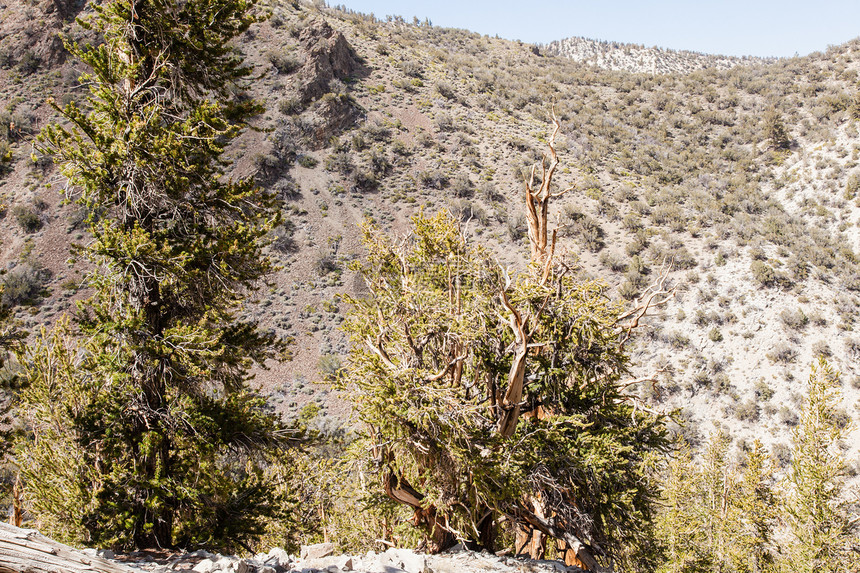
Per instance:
x=28, y=551
x=538, y=198
x=510, y=402
x=440, y=536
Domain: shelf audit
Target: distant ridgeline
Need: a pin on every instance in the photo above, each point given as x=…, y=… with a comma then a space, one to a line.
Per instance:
x=639, y=59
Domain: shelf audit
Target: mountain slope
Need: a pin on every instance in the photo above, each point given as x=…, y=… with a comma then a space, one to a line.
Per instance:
x=683, y=170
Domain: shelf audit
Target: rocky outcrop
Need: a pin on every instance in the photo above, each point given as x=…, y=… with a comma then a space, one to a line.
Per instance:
x=328, y=56
x=639, y=59
x=321, y=558
x=330, y=116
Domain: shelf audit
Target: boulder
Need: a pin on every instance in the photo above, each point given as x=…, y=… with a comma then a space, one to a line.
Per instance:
x=279, y=556
x=205, y=566
x=317, y=551
x=404, y=559
x=330, y=116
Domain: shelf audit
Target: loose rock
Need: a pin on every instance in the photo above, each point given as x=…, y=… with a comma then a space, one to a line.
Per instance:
x=317, y=551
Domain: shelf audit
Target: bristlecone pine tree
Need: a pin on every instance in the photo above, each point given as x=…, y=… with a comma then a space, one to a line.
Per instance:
x=494, y=402
x=144, y=431
x=824, y=534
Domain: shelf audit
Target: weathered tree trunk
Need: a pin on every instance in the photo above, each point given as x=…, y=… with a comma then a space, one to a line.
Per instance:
x=538, y=198
x=570, y=557
x=530, y=542
x=27, y=551
x=440, y=537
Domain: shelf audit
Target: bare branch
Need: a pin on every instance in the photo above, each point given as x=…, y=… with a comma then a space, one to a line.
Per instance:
x=376, y=348
x=656, y=295
x=441, y=374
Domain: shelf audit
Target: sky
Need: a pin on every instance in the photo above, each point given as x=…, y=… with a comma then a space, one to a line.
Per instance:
x=728, y=27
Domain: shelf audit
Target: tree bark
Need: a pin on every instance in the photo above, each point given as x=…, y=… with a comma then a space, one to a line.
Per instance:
x=27, y=551
x=398, y=489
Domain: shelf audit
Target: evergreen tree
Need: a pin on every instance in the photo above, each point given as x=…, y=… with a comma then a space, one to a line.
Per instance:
x=775, y=131
x=816, y=510
x=146, y=420
x=491, y=398
x=679, y=522
x=715, y=519
x=10, y=342
x=753, y=539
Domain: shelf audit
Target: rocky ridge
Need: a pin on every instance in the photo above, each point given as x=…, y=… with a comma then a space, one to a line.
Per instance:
x=639, y=59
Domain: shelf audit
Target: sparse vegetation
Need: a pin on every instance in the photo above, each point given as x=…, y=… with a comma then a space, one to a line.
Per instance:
x=742, y=180
x=27, y=218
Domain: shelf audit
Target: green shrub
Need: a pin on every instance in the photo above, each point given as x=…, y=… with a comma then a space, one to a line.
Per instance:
x=412, y=69
x=679, y=340
x=282, y=237
x=747, y=411
x=27, y=218
x=793, y=319
x=283, y=61
x=613, y=261
x=766, y=275
x=29, y=63
x=339, y=162
x=23, y=285
x=290, y=105
x=5, y=157
x=445, y=90
x=782, y=353
x=308, y=161
x=329, y=366
x=763, y=391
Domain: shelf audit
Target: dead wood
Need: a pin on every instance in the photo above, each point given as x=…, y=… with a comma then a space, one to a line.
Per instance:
x=28, y=551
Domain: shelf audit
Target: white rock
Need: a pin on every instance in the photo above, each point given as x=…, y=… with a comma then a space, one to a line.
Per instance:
x=332, y=563
x=90, y=551
x=280, y=556
x=248, y=566
x=405, y=559
x=317, y=551
x=224, y=564
x=205, y=566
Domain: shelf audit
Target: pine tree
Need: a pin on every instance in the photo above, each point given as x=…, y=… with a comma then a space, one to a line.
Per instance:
x=679, y=523
x=815, y=507
x=493, y=397
x=775, y=131
x=149, y=410
x=712, y=517
x=753, y=539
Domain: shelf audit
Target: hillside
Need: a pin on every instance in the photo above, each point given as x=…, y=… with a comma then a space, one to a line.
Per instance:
x=740, y=177
x=636, y=58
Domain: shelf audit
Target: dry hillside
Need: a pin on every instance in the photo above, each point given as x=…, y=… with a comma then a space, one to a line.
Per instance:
x=741, y=177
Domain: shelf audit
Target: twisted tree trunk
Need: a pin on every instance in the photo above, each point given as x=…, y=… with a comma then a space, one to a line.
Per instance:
x=28, y=551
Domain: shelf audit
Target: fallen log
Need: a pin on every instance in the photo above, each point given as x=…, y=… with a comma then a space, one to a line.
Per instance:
x=28, y=551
